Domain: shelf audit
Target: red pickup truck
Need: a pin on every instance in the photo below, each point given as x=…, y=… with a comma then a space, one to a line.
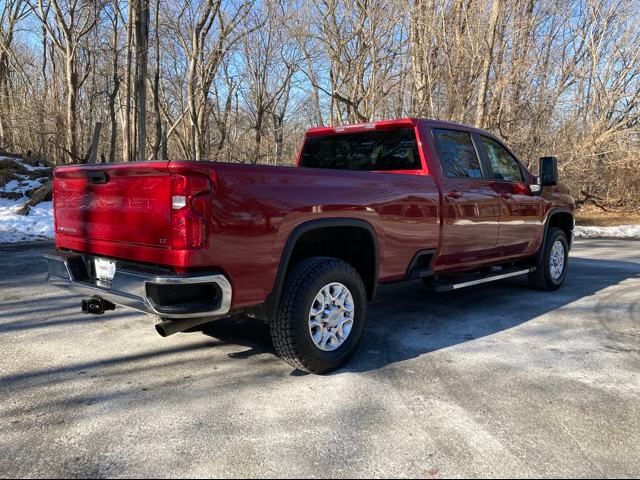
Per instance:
x=305, y=247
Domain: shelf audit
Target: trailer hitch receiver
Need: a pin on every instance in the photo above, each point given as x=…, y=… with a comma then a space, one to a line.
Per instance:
x=96, y=306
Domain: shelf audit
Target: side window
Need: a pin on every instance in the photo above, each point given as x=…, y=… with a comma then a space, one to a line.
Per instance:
x=457, y=154
x=504, y=166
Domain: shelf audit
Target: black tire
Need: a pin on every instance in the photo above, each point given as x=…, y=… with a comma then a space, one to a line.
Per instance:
x=541, y=278
x=428, y=282
x=290, y=329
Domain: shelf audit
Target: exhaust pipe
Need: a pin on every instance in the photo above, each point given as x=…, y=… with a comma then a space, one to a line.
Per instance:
x=169, y=327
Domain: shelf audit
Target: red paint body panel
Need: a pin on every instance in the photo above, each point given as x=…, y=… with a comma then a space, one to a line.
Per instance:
x=251, y=212
x=132, y=207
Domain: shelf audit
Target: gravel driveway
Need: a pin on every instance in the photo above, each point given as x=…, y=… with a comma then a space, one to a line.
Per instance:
x=497, y=380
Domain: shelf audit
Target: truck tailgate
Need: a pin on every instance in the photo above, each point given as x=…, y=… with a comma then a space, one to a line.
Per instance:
x=125, y=204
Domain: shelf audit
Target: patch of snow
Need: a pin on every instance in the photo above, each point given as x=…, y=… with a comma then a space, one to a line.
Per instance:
x=628, y=232
x=38, y=225
x=27, y=185
x=34, y=168
x=11, y=186
x=27, y=166
x=22, y=186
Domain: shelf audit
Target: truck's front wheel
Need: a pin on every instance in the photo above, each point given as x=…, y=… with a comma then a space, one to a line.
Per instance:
x=551, y=269
x=320, y=316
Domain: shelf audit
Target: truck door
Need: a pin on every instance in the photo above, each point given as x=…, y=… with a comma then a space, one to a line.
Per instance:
x=521, y=212
x=470, y=204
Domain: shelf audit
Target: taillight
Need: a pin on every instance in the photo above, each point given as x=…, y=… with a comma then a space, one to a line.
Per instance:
x=188, y=211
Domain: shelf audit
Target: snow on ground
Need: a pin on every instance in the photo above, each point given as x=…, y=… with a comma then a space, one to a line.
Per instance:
x=37, y=176
x=33, y=168
x=38, y=225
x=620, y=231
x=22, y=186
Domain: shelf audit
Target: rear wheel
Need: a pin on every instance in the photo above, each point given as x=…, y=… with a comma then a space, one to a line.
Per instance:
x=320, y=316
x=551, y=269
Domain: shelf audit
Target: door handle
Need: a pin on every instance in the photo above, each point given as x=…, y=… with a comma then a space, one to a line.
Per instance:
x=506, y=195
x=454, y=194
x=97, y=177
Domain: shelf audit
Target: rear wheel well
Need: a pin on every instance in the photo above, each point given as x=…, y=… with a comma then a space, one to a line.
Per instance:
x=355, y=245
x=563, y=221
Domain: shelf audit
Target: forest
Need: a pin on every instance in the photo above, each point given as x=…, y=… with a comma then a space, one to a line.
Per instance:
x=241, y=80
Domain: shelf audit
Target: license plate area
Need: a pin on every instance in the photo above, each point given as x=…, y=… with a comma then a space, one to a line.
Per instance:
x=105, y=270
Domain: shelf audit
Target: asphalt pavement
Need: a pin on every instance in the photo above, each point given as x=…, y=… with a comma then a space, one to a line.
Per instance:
x=493, y=381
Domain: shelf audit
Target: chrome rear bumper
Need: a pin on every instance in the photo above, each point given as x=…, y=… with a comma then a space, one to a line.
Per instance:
x=130, y=288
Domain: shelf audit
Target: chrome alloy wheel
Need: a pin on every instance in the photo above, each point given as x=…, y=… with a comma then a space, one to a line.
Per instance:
x=331, y=317
x=556, y=260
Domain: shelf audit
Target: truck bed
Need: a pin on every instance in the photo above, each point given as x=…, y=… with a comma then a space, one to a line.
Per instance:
x=124, y=211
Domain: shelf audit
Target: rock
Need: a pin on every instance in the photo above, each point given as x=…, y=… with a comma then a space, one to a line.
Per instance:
x=11, y=195
x=43, y=194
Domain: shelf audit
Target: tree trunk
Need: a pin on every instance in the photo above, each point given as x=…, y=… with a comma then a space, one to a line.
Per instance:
x=142, y=47
x=258, y=137
x=481, y=106
x=278, y=133
x=43, y=72
x=126, y=123
x=72, y=116
x=156, y=87
x=43, y=194
x=115, y=78
x=164, y=150
x=95, y=142
x=193, y=110
x=5, y=116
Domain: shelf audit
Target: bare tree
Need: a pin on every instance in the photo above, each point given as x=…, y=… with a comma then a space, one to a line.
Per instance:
x=71, y=22
x=481, y=102
x=240, y=80
x=205, y=31
x=113, y=90
x=157, y=143
x=271, y=58
x=141, y=36
x=12, y=12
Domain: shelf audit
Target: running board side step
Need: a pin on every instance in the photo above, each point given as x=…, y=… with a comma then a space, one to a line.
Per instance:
x=502, y=274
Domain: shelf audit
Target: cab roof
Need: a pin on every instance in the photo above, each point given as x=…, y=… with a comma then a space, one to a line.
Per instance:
x=407, y=122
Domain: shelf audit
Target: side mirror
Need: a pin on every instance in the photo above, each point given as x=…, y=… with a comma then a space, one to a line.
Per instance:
x=548, y=171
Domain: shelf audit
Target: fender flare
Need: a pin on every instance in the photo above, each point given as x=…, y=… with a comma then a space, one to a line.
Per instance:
x=271, y=303
x=553, y=211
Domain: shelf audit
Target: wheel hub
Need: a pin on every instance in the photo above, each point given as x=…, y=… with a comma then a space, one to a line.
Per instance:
x=557, y=260
x=331, y=317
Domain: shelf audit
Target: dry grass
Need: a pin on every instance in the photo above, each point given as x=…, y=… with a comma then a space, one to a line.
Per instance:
x=594, y=217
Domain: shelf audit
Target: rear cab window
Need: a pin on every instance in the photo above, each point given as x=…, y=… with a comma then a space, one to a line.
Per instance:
x=383, y=150
x=457, y=154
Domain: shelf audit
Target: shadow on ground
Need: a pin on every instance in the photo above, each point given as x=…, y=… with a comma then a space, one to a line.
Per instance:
x=406, y=321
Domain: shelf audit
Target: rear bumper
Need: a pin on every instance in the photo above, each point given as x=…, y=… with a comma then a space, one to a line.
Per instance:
x=139, y=290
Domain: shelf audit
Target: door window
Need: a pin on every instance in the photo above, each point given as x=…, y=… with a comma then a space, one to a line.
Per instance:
x=457, y=154
x=504, y=166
